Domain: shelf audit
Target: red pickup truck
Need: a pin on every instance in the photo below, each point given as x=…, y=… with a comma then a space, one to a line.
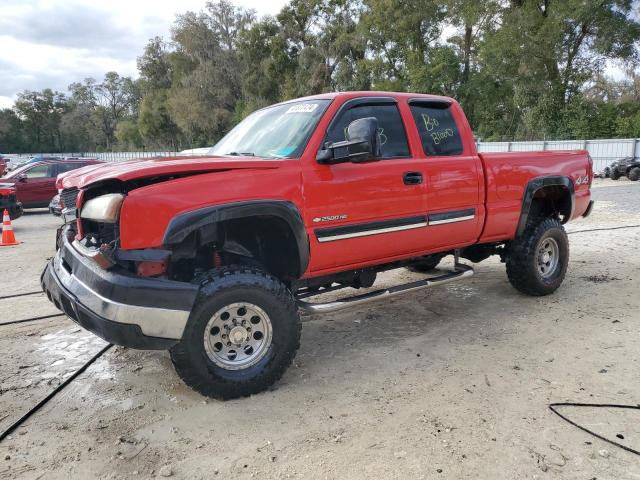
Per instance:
x=215, y=257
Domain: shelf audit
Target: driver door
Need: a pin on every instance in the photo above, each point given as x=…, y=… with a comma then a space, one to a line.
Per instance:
x=38, y=185
x=359, y=212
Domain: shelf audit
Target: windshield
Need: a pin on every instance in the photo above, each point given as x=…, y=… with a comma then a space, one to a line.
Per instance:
x=281, y=131
x=18, y=170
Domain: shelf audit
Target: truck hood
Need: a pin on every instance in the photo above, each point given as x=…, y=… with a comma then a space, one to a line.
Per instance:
x=160, y=167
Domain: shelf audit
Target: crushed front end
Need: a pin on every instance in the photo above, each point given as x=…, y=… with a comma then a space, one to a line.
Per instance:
x=100, y=292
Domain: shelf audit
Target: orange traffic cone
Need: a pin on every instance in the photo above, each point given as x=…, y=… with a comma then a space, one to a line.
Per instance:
x=8, y=238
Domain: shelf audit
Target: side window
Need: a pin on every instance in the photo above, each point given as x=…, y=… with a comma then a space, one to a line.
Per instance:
x=65, y=167
x=392, y=135
x=40, y=171
x=438, y=130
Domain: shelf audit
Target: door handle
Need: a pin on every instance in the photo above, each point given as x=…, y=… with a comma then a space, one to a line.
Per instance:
x=412, y=178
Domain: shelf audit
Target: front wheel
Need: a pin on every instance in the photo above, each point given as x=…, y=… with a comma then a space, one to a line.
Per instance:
x=242, y=335
x=614, y=175
x=538, y=259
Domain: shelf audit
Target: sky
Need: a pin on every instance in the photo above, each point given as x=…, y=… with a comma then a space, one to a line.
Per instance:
x=52, y=43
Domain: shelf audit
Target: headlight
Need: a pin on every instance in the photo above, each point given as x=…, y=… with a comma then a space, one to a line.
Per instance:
x=105, y=208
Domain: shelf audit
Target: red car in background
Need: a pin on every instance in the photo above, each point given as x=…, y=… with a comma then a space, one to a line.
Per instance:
x=35, y=183
x=9, y=202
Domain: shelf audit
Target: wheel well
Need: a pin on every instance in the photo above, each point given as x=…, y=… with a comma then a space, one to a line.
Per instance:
x=265, y=241
x=552, y=201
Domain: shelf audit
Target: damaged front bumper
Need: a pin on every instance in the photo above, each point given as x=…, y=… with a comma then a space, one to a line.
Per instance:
x=119, y=307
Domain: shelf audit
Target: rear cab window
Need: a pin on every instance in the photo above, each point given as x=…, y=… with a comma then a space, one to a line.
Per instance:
x=393, y=138
x=438, y=131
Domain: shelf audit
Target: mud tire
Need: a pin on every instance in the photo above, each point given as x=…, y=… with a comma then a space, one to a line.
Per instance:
x=222, y=287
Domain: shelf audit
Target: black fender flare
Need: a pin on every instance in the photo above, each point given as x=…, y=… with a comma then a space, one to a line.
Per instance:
x=185, y=223
x=536, y=184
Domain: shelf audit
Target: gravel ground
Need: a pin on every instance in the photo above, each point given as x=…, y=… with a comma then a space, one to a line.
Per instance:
x=452, y=383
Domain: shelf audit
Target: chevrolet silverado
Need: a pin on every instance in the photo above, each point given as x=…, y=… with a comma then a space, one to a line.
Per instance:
x=215, y=257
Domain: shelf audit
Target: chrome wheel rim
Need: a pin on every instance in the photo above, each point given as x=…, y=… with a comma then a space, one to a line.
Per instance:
x=548, y=257
x=238, y=336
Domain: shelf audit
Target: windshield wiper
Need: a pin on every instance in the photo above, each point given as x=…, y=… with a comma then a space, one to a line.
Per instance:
x=241, y=154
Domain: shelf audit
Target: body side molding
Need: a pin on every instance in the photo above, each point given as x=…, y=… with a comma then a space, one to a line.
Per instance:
x=370, y=228
x=452, y=216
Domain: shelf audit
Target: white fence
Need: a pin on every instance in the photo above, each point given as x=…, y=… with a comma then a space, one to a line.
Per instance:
x=603, y=152
x=106, y=156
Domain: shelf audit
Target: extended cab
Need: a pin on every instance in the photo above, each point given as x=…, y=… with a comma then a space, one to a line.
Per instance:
x=215, y=257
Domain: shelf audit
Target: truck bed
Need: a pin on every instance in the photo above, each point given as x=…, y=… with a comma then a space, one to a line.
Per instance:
x=507, y=175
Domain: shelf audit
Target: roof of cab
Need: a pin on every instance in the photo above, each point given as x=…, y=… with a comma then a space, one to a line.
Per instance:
x=370, y=93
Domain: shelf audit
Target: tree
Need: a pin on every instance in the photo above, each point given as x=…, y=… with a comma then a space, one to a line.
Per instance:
x=40, y=113
x=549, y=49
x=11, y=132
x=203, y=99
x=116, y=99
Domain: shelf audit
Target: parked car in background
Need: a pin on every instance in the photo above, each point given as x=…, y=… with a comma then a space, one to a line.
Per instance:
x=55, y=207
x=22, y=161
x=9, y=201
x=625, y=167
x=35, y=182
x=3, y=165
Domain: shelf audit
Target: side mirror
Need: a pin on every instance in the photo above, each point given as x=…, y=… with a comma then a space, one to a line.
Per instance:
x=362, y=144
x=22, y=178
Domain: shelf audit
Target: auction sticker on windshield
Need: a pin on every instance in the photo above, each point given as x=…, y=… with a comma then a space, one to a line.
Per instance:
x=303, y=108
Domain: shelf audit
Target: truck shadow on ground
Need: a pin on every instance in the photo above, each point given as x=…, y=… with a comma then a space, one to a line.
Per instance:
x=420, y=322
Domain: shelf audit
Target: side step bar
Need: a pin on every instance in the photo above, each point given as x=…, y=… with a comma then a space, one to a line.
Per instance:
x=459, y=272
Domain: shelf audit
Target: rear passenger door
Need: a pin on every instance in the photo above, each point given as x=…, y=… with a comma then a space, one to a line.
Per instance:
x=454, y=182
x=366, y=211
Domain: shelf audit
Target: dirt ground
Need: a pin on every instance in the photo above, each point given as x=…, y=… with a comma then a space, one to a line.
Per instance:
x=449, y=383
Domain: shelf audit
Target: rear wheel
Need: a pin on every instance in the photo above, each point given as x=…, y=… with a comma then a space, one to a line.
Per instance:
x=614, y=175
x=634, y=174
x=538, y=259
x=242, y=335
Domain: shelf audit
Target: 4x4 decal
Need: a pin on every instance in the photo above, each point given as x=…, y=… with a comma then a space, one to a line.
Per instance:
x=582, y=180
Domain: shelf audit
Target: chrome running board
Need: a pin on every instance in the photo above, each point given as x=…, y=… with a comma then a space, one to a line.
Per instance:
x=459, y=272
